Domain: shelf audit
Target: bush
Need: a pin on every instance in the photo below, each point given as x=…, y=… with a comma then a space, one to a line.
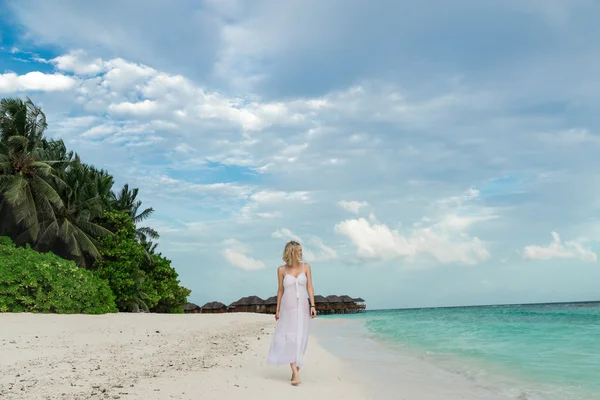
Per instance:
x=163, y=286
x=137, y=281
x=43, y=282
x=120, y=264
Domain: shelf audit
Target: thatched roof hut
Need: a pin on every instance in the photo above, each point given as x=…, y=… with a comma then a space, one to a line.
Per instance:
x=335, y=302
x=333, y=299
x=321, y=303
x=271, y=305
x=255, y=301
x=191, y=308
x=214, y=307
x=207, y=306
x=233, y=306
x=241, y=305
x=347, y=299
x=359, y=300
x=256, y=304
x=349, y=303
x=271, y=301
x=249, y=304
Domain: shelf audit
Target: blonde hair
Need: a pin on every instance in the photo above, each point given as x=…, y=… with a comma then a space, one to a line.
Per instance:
x=291, y=253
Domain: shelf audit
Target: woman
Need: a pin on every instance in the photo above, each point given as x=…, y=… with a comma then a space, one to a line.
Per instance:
x=295, y=290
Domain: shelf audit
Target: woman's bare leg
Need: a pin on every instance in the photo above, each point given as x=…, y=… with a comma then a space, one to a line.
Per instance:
x=298, y=368
x=295, y=374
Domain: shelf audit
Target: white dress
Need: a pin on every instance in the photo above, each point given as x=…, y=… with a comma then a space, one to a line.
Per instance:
x=291, y=333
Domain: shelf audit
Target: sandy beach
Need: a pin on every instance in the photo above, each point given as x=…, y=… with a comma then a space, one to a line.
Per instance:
x=204, y=356
x=142, y=356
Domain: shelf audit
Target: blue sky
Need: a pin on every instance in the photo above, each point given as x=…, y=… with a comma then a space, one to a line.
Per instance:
x=439, y=153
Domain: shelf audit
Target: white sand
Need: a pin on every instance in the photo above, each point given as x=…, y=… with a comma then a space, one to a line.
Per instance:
x=138, y=356
x=199, y=356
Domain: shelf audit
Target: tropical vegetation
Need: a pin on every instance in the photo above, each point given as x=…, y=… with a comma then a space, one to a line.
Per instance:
x=56, y=206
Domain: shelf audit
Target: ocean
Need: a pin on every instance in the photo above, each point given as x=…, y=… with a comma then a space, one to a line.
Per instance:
x=543, y=351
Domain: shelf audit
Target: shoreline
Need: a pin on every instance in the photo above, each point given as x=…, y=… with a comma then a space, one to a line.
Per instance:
x=388, y=372
x=387, y=368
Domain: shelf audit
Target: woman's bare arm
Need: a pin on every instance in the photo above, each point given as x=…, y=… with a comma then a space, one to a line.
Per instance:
x=280, y=275
x=309, y=285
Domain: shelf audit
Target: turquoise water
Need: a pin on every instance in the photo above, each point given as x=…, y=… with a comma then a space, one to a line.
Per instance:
x=554, y=348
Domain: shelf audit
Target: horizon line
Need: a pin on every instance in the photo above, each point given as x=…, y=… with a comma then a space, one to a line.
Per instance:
x=487, y=305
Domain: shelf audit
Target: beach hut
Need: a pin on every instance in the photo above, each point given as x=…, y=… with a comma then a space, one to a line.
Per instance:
x=336, y=304
x=214, y=307
x=238, y=306
x=206, y=308
x=271, y=305
x=255, y=304
x=321, y=304
x=191, y=308
x=219, y=308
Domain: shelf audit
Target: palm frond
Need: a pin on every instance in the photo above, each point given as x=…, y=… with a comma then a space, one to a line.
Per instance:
x=148, y=232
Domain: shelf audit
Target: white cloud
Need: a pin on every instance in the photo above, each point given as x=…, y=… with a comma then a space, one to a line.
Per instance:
x=270, y=204
x=353, y=206
x=556, y=249
x=443, y=235
x=141, y=108
x=458, y=223
x=35, y=81
x=78, y=63
x=314, y=249
x=270, y=196
x=235, y=253
x=122, y=75
x=285, y=233
x=375, y=240
x=458, y=201
x=98, y=131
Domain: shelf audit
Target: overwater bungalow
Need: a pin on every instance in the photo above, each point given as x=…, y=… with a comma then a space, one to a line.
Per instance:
x=360, y=304
x=325, y=305
x=321, y=304
x=349, y=304
x=335, y=304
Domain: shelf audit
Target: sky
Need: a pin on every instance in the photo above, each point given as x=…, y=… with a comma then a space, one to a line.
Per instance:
x=427, y=153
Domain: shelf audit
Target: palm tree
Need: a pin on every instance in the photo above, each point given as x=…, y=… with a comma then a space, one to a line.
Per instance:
x=21, y=118
x=75, y=230
x=47, y=196
x=137, y=301
x=28, y=180
x=149, y=246
x=126, y=201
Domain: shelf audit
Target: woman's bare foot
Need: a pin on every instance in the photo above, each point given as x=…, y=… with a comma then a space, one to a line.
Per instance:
x=292, y=378
x=295, y=379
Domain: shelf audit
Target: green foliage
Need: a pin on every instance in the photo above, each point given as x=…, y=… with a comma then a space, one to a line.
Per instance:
x=121, y=257
x=28, y=182
x=163, y=286
x=43, y=282
x=138, y=283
